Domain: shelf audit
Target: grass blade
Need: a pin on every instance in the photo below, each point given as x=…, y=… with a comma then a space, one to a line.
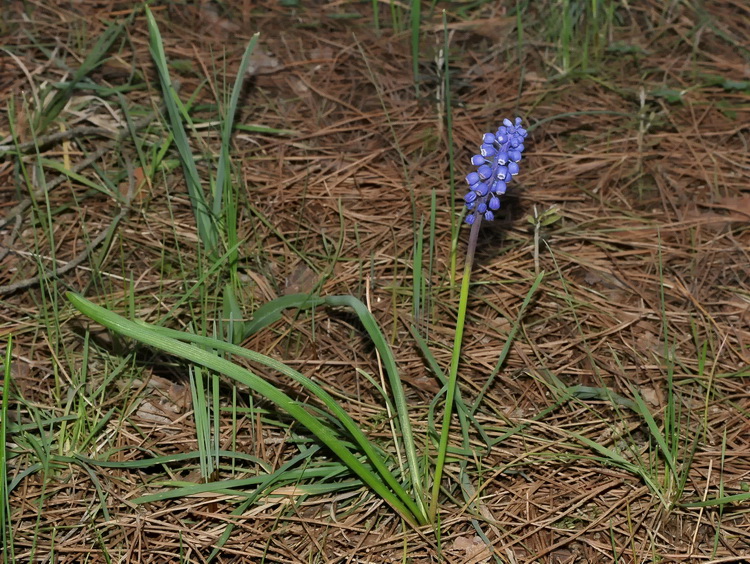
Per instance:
x=205, y=221
x=653, y=427
x=272, y=311
x=232, y=316
x=222, y=176
x=6, y=524
x=92, y=60
x=415, y=17
x=157, y=338
x=719, y=501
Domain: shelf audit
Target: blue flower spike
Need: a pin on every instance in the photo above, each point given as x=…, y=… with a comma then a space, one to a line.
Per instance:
x=497, y=163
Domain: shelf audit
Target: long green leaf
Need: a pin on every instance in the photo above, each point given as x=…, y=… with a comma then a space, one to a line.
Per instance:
x=222, y=177
x=644, y=412
x=619, y=460
x=333, y=406
x=92, y=60
x=6, y=522
x=272, y=311
x=157, y=337
x=207, y=230
x=720, y=501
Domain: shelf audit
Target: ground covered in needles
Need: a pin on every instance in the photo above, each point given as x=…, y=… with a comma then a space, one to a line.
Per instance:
x=616, y=428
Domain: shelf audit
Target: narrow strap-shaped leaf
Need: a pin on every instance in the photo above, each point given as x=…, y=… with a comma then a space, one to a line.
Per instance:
x=333, y=406
x=155, y=337
x=204, y=219
x=272, y=311
x=92, y=60
x=227, y=127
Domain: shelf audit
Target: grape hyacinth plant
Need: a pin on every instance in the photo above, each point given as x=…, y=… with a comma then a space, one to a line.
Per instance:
x=497, y=164
x=404, y=489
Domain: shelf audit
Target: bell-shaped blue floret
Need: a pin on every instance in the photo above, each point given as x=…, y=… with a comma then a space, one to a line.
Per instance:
x=484, y=172
x=497, y=164
x=499, y=187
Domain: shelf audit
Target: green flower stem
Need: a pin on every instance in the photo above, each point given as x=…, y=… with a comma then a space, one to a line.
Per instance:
x=453, y=375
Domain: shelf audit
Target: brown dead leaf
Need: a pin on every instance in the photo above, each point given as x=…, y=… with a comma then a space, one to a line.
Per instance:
x=532, y=76
x=739, y=206
x=463, y=543
x=152, y=413
x=647, y=337
x=651, y=396
x=474, y=549
x=116, y=69
x=163, y=401
x=210, y=15
x=302, y=280
x=140, y=179
x=423, y=383
x=262, y=62
x=171, y=392
x=736, y=209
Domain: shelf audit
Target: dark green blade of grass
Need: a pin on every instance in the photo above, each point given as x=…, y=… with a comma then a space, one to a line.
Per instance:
x=273, y=310
x=268, y=482
x=656, y=434
x=157, y=337
x=227, y=124
x=92, y=60
x=719, y=501
x=234, y=487
x=205, y=221
x=6, y=523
